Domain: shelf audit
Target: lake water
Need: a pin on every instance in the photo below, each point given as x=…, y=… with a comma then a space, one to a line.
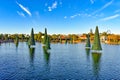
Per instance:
x=64, y=61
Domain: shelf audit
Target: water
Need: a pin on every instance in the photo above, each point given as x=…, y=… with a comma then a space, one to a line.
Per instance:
x=64, y=61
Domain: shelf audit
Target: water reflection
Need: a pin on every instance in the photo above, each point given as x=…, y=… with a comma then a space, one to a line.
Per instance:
x=96, y=57
x=16, y=45
x=46, y=55
x=31, y=53
x=87, y=54
x=47, y=60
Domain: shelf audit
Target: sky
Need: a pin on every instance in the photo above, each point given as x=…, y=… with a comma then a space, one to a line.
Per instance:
x=59, y=16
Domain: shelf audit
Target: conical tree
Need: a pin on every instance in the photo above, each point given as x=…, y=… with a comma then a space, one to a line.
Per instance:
x=48, y=43
x=28, y=42
x=88, y=41
x=45, y=37
x=96, y=44
x=16, y=40
x=32, y=40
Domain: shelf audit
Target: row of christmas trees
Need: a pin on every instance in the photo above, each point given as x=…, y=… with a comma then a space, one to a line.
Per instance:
x=96, y=44
x=46, y=42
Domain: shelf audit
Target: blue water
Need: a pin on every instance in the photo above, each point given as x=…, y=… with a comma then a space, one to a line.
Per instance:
x=64, y=61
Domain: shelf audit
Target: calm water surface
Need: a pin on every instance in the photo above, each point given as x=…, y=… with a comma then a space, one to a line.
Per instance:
x=64, y=61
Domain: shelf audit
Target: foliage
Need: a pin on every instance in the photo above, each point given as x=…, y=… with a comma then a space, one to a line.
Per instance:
x=96, y=43
x=45, y=37
x=71, y=40
x=48, y=43
x=16, y=40
x=38, y=37
x=32, y=40
x=88, y=41
x=66, y=40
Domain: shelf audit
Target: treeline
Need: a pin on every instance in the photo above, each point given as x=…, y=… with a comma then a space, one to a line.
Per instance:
x=71, y=38
x=38, y=37
x=12, y=37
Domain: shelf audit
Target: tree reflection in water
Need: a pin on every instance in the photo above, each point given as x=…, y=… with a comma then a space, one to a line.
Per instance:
x=96, y=57
x=31, y=53
x=46, y=54
x=87, y=54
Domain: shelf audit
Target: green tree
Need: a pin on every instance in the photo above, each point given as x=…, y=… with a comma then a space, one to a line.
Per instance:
x=75, y=37
x=66, y=40
x=71, y=40
x=6, y=37
x=96, y=43
x=1, y=36
x=39, y=37
x=88, y=41
x=45, y=37
x=48, y=43
x=16, y=40
x=32, y=40
x=60, y=39
x=91, y=32
x=21, y=37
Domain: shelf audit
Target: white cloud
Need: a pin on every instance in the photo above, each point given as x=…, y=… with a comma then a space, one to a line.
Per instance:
x=46, y=4
x=98, y=15
x=24, y=9
x=54, y=5
x=76, y=15
x=21, y=14
x=49, y=9
x=37, y=14
x=60, y=3
x=65, y=17
x=110, y=17
x=103, y=7
x=73, y=16
x=92, y=1
x=117, y=11
x=81, y=15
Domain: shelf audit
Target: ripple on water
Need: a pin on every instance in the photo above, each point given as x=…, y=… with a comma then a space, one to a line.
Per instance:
x=64, y=62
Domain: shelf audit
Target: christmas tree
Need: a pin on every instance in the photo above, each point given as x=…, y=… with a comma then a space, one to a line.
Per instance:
x=88, y=42
x=96, y=44
x=32, y=40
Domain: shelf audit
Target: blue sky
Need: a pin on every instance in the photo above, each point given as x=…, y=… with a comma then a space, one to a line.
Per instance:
x=59, y=16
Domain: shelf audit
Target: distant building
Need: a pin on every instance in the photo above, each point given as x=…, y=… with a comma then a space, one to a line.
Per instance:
x=103, y=38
